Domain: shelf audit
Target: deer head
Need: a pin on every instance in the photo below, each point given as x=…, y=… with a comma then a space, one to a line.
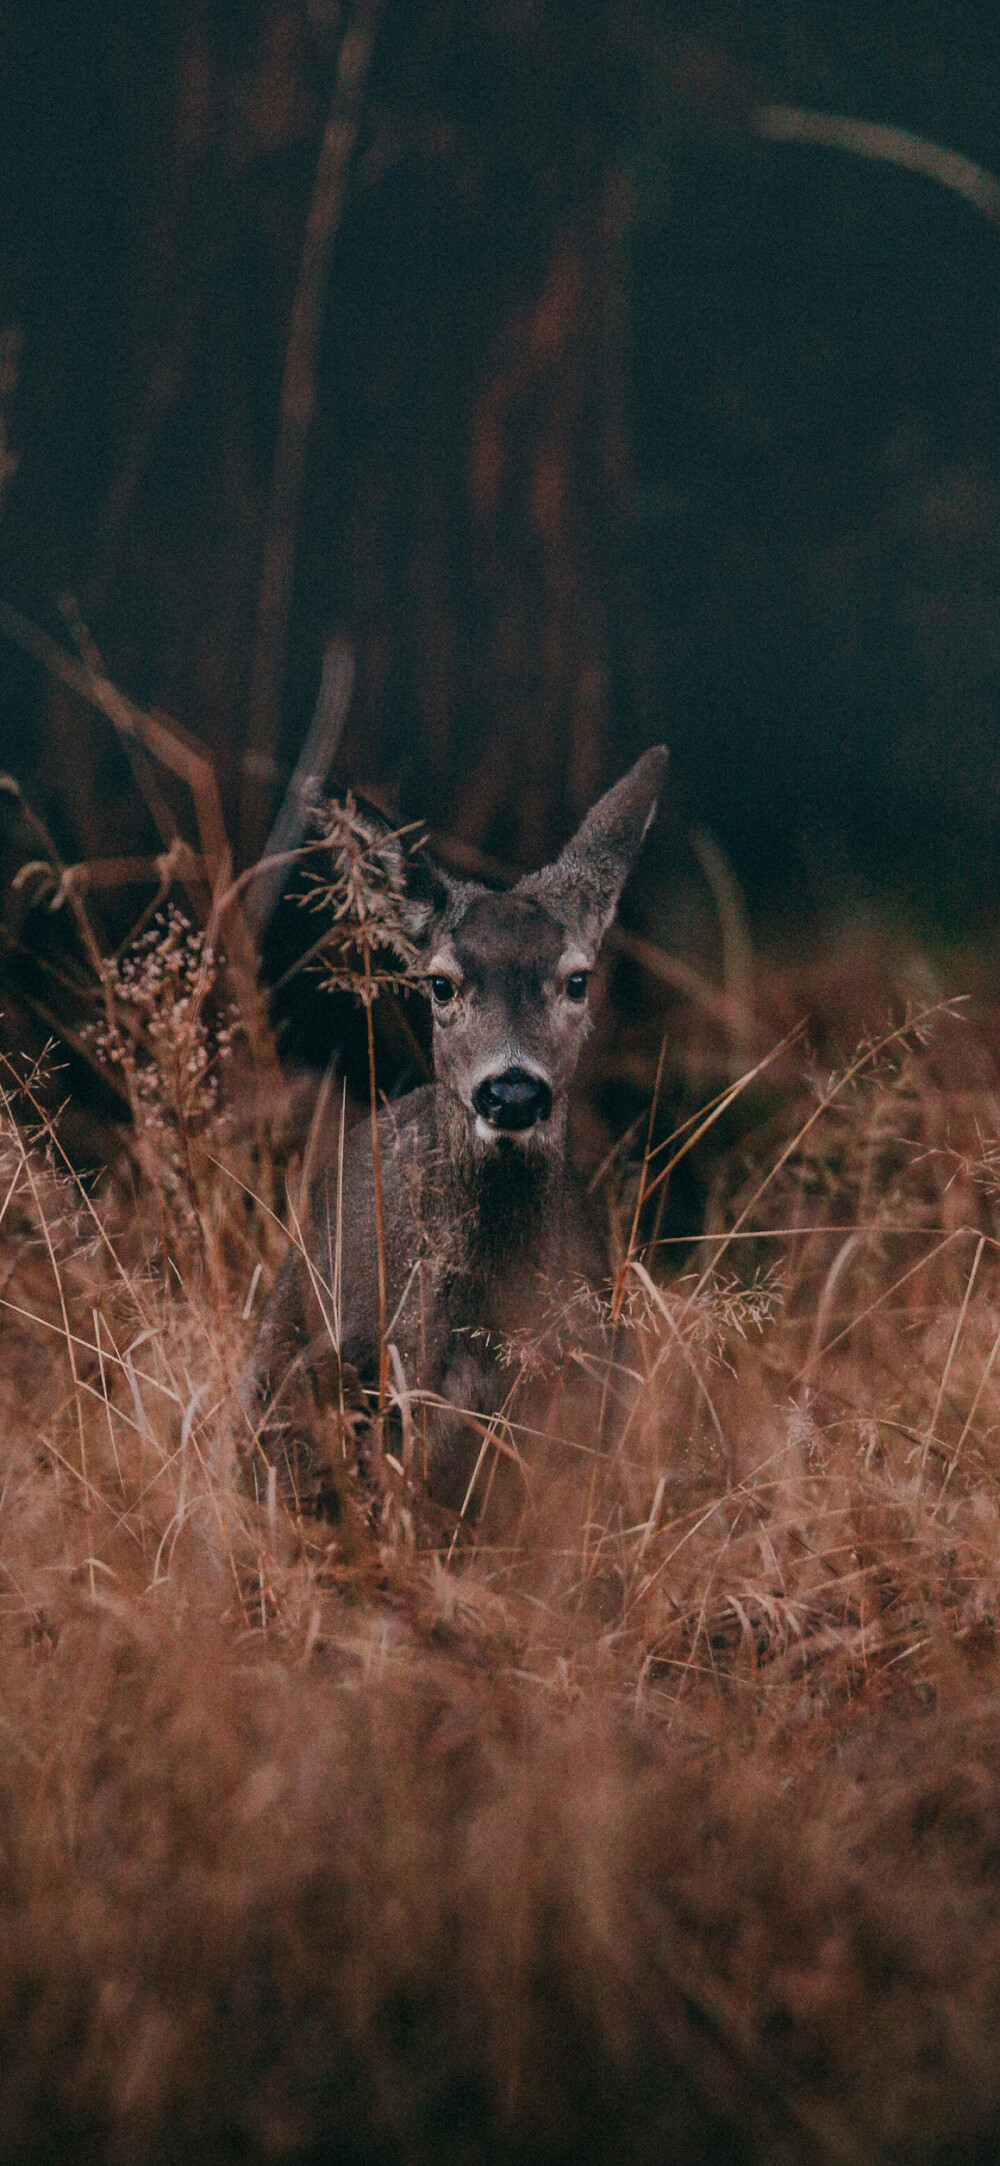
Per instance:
x=507, y=975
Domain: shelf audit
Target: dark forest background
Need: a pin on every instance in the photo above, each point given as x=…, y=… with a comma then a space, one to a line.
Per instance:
x=627, y=424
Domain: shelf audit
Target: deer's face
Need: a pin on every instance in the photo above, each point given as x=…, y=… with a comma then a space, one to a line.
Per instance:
x=508, y=988
x=507, y=975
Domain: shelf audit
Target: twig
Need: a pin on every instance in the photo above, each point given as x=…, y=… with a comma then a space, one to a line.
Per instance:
x=175, y=748
x=311, y=769
x=298, y=399
x=178, y=863
x=892, y=146
x=143, y=771
x=88, y=938
x=71, y=1038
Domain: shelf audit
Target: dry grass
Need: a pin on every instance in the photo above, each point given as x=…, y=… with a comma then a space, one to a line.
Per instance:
x=660, y=1811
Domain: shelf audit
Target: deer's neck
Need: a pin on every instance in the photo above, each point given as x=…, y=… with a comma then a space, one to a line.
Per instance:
x=508, y=1199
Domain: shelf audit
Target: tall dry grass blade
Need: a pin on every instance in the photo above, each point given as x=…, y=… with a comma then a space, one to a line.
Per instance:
x=295, y=413
x=973, y=1410
x=383, y=1358
x=41, y=1219
x=863, y=1060
x=952, y=1350
x=107, y=1403
x=737, y=947
x=880, y=1301
x=699, y=1123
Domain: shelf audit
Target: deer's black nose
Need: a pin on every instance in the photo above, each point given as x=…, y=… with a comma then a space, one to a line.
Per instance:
x=513, y=1100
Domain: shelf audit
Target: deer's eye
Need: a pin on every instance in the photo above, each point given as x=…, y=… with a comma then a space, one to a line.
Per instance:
x=576, y=985
x=442, y=991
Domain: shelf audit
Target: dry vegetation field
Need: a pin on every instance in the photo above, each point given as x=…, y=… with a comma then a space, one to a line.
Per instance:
x=659, y=1811
x=527, y=379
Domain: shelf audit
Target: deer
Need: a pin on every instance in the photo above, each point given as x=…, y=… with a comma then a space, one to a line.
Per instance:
x=484, y=1222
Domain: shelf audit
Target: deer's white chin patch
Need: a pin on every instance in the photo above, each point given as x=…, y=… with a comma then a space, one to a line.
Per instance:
x=523, y=1138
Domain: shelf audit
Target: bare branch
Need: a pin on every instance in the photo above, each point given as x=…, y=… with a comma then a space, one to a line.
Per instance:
x=893, y=146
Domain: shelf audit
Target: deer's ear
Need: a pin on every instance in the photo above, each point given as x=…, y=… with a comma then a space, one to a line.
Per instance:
x=425, y=897
x=583, y=885
x=431, y=899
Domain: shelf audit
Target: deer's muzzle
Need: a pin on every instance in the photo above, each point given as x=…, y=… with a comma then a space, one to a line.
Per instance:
x=513, y=1100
